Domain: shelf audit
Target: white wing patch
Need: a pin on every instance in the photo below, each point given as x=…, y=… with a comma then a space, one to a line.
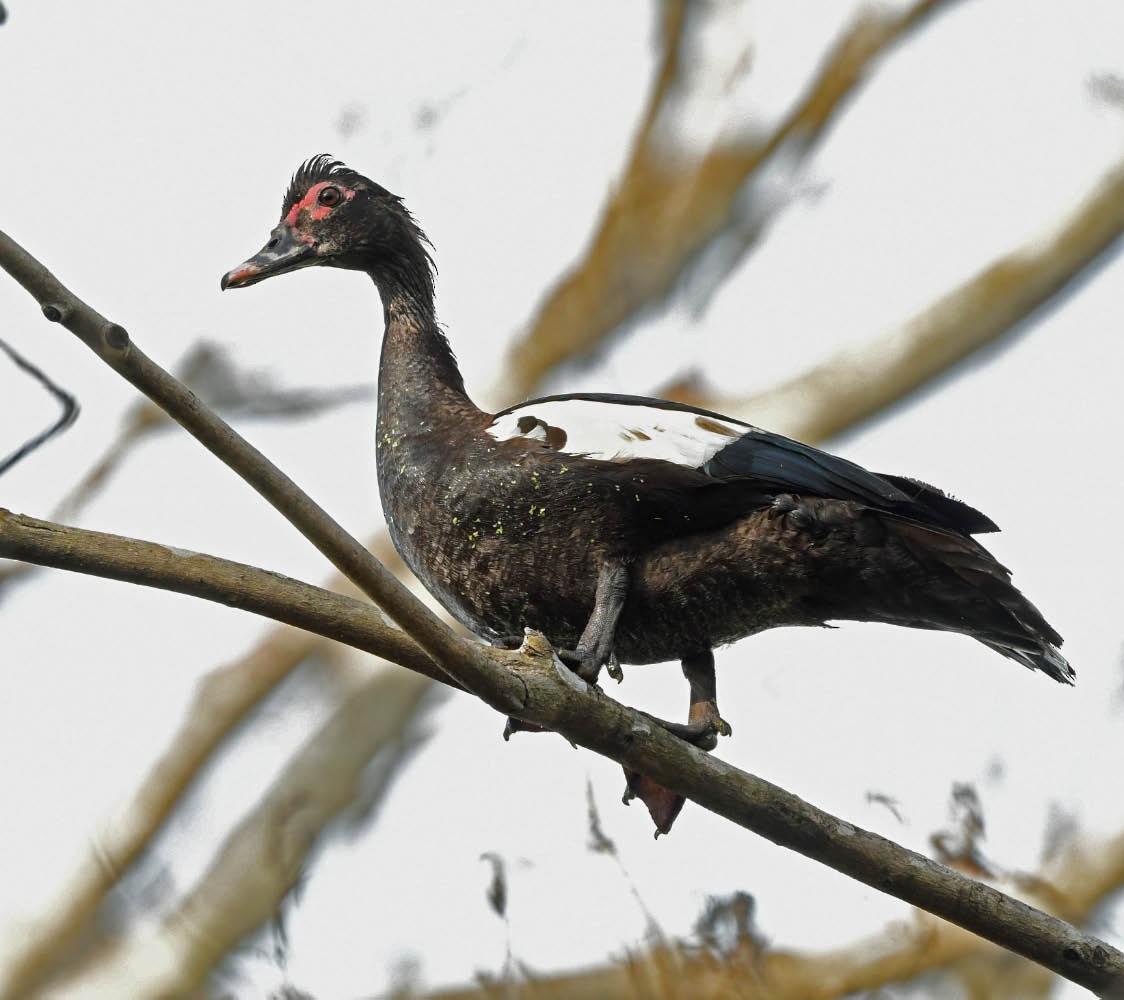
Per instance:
x=620, y=431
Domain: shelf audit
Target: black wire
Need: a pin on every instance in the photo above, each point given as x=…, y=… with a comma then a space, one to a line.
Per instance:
x=69, y=409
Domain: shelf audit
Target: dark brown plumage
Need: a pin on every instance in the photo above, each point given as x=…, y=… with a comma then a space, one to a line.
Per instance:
x=627, y=528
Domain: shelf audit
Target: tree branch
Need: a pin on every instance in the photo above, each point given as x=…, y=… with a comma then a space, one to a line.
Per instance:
x=237, y=585
x=66, y=401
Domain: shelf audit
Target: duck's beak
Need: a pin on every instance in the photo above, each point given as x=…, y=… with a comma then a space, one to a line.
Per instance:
x=285, y=251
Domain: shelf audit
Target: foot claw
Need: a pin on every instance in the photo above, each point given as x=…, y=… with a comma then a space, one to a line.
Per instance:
x=583, y=662
x=702, y=733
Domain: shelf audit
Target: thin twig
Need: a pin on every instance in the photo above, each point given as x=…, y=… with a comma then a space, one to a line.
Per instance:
x=67, y=401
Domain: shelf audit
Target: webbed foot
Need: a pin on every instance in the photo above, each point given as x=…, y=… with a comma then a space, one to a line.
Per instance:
x=663, y=804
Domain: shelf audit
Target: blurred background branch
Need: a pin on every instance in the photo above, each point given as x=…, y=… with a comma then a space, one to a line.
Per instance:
x=68, y=403
x=865, y=379
x=262, y=859
x=670, y=204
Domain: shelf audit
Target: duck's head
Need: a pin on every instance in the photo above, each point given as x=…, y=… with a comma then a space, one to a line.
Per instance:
x=336, y=217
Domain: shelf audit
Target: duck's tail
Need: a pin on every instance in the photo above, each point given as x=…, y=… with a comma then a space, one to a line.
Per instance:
x=990, y=607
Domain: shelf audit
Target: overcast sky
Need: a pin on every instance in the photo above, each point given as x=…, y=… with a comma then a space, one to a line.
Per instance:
x=147, y=148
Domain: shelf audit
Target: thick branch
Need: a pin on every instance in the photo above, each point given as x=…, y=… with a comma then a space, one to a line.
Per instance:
x=272, y=595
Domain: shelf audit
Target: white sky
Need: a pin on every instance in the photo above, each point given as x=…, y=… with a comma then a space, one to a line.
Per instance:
x=147, y=150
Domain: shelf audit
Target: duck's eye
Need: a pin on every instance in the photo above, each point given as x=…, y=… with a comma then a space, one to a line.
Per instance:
x=329, y=196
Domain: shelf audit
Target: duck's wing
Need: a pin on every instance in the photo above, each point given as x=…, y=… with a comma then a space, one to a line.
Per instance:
x=621, y=428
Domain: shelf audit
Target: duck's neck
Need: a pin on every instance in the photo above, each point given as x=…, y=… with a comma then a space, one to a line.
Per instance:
x=419, y=381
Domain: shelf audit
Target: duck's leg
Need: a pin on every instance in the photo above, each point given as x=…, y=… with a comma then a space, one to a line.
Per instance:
x=595, y=647
x=703, y=727
x=704, y=724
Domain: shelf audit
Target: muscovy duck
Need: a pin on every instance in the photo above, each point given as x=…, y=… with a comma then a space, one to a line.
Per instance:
x=630, y=529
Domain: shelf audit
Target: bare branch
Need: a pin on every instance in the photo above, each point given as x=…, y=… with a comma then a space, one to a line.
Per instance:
x=334, y=616
x=211, y=373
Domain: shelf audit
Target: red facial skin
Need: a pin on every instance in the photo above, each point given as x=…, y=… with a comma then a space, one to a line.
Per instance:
x=308, y=209
x=316, y=211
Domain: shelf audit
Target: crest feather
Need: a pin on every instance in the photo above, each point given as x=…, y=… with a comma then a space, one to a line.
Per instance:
x=318, y=168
